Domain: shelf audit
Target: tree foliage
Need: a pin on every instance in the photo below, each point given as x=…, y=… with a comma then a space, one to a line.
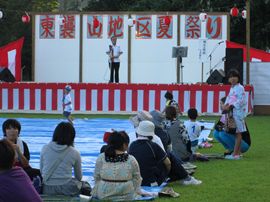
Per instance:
x=12, y=27
x=260, y=17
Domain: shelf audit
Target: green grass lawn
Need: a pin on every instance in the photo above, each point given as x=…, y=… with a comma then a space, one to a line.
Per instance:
x=245, y=180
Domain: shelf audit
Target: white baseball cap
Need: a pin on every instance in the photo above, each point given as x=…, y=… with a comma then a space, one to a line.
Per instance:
x=146, y=128
x=68, y=87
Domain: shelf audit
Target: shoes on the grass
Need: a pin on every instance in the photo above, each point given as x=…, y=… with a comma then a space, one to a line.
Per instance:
x=228, y=153
x=210, y=139
x=201, y=157
x=191, y=181
x=233, y=157
x=205, y=145
x=190, y=171
x=168, y=192
x=189, y=166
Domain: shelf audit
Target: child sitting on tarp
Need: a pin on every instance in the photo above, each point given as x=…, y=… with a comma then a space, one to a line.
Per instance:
x=193, y=129
x=181, y=144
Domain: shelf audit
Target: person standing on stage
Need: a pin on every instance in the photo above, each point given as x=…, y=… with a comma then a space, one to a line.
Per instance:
x=114, y=61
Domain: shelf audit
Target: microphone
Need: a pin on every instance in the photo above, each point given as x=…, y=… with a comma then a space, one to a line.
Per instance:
x=220, y=42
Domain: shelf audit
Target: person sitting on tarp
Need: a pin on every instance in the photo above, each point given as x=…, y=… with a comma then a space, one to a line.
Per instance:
x=57, y=160
x=11, y=130
x=181, y=145
x=117, y=173
x=15, y=184
x=155, y=164
x=135, y=120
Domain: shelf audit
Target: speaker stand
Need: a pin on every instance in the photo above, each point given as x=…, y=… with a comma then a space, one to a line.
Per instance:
x=180, y=68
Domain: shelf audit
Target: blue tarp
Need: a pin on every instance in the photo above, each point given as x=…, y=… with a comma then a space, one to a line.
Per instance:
x=89, y=137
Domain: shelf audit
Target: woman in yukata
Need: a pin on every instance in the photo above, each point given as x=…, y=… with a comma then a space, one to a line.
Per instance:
x=117, y=174
x=236, y=101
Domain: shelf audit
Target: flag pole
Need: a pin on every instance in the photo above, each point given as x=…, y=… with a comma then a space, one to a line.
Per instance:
x=248, y=42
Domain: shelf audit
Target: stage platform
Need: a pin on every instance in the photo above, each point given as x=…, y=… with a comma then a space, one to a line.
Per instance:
x=114, y=98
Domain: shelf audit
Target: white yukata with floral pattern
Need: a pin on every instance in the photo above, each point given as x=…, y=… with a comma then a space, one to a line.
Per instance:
x=117, y=191
x=237, y=98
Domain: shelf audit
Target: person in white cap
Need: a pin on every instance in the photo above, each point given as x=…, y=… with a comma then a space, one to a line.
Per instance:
x=67, y=104
x=135, y=120
x=155, y=166
x=153, y=161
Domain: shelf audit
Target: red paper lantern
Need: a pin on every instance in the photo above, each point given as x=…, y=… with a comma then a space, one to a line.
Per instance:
x=167, y=20
x=96, y=22
x=25, y=18
x=234, y=11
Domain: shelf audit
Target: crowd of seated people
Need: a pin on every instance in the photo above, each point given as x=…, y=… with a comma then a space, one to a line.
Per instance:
x=154, y=153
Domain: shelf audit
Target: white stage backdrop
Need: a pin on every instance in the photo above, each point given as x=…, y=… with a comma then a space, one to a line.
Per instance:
x=259, y=78
x=57, y=47
x=56, y=59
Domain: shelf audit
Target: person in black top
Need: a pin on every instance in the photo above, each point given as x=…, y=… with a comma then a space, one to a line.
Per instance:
x=11, y=129
x=156, y=166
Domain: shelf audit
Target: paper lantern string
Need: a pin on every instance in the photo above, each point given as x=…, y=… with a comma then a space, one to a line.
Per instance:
x=26, y=18
x=234, y=11
x=167, y=20
x=96, y=22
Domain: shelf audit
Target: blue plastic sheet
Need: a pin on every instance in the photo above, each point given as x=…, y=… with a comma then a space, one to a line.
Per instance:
x=89, y=138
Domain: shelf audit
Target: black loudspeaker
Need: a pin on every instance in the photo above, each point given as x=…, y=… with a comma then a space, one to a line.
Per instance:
x=234, y=60
x=216, y=77
x=6, y=75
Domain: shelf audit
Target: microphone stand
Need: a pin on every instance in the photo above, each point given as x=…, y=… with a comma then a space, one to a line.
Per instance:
x=210, y=55
x=219, y=62
x=180, y=68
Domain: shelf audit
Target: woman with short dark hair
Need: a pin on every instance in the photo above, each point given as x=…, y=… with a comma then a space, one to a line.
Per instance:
x=181, y=145
x=11, y=130
x=15, y=184
x=68, y=138
x=57, y=159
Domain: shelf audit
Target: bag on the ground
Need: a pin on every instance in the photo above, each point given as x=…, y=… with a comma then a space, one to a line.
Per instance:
x=230, y=126
x=86, y=188
x=37, y=183
x=219, y=126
